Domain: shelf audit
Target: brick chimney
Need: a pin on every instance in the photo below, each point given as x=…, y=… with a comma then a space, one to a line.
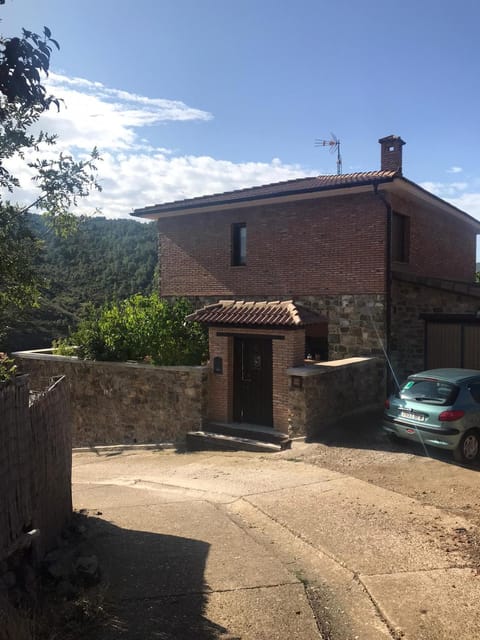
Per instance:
x=391, y=158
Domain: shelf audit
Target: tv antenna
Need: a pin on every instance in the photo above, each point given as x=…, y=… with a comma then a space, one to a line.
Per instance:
x=334, y=145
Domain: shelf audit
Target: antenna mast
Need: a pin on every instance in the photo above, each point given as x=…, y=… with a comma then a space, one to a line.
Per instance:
x=334, y=145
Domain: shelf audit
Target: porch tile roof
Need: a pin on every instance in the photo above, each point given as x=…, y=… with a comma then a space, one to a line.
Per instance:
x=238, y=312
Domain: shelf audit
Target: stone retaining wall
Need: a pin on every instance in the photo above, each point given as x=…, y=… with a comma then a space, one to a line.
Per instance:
x=320, y=395
x=124, y=403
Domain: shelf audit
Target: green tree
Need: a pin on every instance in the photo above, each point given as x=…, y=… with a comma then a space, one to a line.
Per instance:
x=61, y=182
x=141, y=328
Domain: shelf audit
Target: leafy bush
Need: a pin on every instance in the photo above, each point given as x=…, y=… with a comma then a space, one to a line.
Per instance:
x=8, y=367
x=141, y=328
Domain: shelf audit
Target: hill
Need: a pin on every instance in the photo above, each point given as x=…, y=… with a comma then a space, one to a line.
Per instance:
x=104, y=260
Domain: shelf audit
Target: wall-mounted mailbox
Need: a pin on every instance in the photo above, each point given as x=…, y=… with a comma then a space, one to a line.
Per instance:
x=217, y=365
x=296, y=382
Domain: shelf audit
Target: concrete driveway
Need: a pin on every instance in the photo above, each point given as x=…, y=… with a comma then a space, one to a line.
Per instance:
x=236, y=545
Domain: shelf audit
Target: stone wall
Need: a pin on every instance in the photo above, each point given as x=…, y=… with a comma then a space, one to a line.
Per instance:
x=413, y=298
x=124, y=403
x=320, y=395
x=356, y=323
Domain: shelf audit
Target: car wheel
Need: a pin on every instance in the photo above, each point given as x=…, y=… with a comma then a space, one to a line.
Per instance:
x=468, y=449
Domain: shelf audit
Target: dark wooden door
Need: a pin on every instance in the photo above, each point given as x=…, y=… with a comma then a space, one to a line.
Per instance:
x=452, y=344
x=443, y=345
x=252, y=383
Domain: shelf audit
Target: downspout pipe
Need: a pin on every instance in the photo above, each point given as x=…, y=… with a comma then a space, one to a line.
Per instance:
x=388, y=281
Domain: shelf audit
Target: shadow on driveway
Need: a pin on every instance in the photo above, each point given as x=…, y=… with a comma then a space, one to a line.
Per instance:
x=364, y=431
x=153, y=585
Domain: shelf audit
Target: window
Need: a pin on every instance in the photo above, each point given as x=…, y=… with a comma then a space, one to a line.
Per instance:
x=429, y=391
x=400, y=237
x=239, y=244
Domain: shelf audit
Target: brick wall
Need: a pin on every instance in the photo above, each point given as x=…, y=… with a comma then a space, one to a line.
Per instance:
x=286, y=353
x=441, y=246
x=220, y=397
x=323, y=246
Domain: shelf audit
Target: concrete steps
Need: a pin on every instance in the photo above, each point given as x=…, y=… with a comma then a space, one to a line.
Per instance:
x=238, y=437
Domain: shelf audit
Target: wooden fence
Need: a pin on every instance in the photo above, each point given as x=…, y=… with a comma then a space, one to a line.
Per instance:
x=35, y=464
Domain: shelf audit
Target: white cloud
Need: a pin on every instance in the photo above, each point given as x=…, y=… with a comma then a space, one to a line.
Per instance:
x=445, y=189
x=455, y=170
x=133, y=172
x=136, y=180
x=468, y=202
x=463, y=195
x=94, y=114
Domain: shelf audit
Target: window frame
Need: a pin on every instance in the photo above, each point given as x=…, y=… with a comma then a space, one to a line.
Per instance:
x=400, y=240
x=239, y=244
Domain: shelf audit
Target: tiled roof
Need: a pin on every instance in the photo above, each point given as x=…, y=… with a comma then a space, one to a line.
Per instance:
x=238, y=312
x=277, y=189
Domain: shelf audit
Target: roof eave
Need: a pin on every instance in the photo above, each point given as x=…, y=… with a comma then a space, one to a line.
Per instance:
x=161, y=211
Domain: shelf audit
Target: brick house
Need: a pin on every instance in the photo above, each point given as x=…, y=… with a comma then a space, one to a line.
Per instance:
x=382, y=262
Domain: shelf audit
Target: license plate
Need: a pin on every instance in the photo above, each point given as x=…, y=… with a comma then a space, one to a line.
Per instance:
x=412, y=416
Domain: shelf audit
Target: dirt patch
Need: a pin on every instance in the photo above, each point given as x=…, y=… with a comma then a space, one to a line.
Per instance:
x=358, y=447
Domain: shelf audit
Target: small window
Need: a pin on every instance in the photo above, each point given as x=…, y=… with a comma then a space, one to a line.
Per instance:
x=400, y=238
x=239, y=244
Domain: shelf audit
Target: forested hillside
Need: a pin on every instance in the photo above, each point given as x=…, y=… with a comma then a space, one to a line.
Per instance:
x=104, y=260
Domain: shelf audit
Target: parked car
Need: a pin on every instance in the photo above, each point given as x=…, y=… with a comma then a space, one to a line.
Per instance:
x=440, y=408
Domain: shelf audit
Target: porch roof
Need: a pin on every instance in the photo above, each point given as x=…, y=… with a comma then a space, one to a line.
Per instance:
x=244, y=313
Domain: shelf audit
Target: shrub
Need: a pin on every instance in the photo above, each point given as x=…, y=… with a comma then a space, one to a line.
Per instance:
x=141, y=328
x=8, y=367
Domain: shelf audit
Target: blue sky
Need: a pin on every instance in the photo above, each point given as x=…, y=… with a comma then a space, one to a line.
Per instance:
x=185, y=97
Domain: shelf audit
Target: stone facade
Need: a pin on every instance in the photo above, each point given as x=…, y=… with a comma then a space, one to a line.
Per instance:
x=413, y=298
x=321, y=395
x=124, y=403
x=356, y=323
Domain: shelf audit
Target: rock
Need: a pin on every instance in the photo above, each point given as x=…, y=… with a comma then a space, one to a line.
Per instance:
x=87, y=570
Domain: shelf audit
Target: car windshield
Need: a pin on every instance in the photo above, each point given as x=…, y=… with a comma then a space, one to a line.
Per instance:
x=429, y=391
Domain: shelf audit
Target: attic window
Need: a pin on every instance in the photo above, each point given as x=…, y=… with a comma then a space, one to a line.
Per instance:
x=239, y=244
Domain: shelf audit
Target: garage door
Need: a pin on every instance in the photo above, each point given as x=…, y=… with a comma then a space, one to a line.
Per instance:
x=454, y=344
